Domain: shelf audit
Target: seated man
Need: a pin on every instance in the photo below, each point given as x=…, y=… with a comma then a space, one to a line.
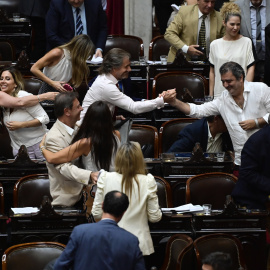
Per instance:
x=210, y=132
x=103, y=245
x=253, y=186
x=217, y=261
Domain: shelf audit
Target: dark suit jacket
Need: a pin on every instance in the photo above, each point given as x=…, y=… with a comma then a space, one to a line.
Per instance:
x=101, y=245
x=253, y=185
x=267, y=55
x=34, y=8
x=60, y=27
x=197, y=132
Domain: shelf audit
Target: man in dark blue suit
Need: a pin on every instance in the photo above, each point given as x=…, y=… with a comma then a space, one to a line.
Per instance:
x=103, y=245
x=61, y=18
x=206, y=131
x=253, y=186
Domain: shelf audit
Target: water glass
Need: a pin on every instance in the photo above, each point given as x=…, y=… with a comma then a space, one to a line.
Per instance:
x=16, y=17
x=207, y=209
x=220, y=157
x=163, y=59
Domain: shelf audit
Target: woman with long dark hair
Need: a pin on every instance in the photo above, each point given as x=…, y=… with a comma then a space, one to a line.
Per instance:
x=96, y=141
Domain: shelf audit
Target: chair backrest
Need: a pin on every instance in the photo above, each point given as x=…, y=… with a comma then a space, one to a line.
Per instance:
x=147, y=136
x=29, y=190
x=169, y=130
x=131, y=44
x=164, y=192
x=194, y=82
x=179, y=252
x=32, y=85
x=158, y=46
x=5, y=147
x=7, y=51
x=220, y=242
x=31, y=256
x=10, y=7
x=2, y=206
x=210, y=188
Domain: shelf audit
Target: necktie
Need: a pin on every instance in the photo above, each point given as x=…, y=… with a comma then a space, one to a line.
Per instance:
x=258, y=33
x=202, y=41
x=79, y=25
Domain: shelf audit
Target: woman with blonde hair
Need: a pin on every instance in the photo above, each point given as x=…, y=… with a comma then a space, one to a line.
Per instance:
x=141, y=188
x=26, y=126
x=65, y=64
x=232, y=47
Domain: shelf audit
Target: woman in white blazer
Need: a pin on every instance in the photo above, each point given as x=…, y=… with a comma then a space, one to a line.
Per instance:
x=141, y=188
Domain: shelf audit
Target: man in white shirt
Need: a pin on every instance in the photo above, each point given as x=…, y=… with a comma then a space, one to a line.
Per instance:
x=66, y=180
x=244, y=107
x=184, y=31
x=115, y=67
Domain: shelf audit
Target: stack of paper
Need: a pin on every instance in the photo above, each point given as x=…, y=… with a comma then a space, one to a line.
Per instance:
x=25, y=210
x=95, y=60
x=184, y=208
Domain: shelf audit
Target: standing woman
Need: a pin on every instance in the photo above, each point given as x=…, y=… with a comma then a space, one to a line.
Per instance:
x=26, y=126
x=141, y=188
x=64, y=64
x=232, y=47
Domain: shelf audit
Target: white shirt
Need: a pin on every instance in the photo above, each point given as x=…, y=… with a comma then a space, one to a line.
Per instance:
x=256, y=105
x=104, y=89
x=26, y=136
x=253, y=21
x=83, y=18
x=214, y=145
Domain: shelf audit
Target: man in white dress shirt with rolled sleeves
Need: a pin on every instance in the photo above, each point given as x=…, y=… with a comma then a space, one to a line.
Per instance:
x=244, y=107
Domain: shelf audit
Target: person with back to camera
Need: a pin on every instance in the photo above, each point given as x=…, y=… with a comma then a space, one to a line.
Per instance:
x=96, y=141
x=141, y=189
x=103, y=245
x=65, y=64
x=26, y=126
x=231, y=47
x=217, y=261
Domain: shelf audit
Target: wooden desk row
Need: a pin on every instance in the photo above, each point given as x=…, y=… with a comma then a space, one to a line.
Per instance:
x=47, y=225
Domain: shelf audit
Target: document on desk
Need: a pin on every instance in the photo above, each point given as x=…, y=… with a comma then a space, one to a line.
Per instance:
x=25, y=210
x=95, y=60
x=184, y=208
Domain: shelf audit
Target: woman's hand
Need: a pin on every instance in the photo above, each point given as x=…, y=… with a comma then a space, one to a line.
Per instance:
x=58, y=86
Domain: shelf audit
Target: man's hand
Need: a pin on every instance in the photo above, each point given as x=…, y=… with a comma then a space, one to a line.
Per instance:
x=248, y=124
x=169, y=96
x=98, y=53
x=94, y=177
x=120, y=117
x=13, y=125
x=192, y=51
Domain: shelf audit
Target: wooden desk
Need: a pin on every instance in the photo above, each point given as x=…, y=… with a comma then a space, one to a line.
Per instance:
x=47, y=225
x=248, y=227
x=179, y=170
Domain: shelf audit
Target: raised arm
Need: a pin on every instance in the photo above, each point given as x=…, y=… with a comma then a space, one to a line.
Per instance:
x=181, y=106
x=49, y=59
x=81, y=147
x=16, y=102
x=211, y=81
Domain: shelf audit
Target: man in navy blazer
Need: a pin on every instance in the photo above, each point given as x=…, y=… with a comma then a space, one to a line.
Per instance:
x=198, y=132
x=253, y=186
x=60, y=24
x=103, y=245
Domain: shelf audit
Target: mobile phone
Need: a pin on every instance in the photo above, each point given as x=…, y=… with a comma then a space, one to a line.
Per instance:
x=68, y=87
